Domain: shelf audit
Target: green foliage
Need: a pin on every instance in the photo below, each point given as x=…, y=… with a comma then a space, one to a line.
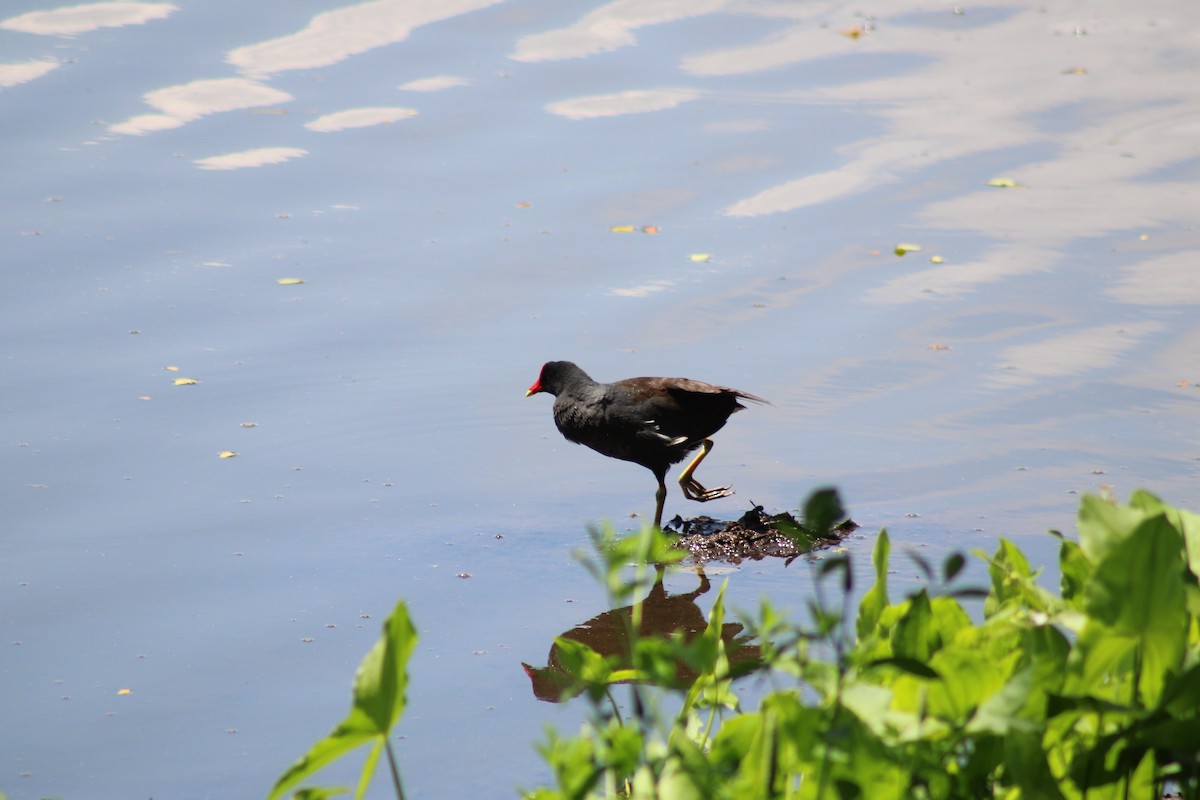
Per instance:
x=379, y=700
x=1092, y=692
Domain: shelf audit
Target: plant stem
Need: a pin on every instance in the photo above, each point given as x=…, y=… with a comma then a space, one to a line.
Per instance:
x=395, y=769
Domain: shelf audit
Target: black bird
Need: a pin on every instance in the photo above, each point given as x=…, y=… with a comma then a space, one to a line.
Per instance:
x=655, y=422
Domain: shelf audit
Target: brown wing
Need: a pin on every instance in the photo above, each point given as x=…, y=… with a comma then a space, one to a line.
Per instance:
x=683, y=412
x=646, y=387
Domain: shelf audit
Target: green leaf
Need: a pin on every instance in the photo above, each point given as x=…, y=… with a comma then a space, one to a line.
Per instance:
x=910, y=665
x=318, y=792
x=584, y=668
x=1103, y=525
x=1137, y=607
x=1076, y=570
x=953, y=566
x=324, y=752
x=822, y=510
x=969, y=676
x=379, y=686
x=1013, y=583
x=1188, y=525
x=914, y=635
x=378, y=702
x=1000, y=713
x=1025, y=765
x=876, y=599
x=364, y=777
x=675, y=783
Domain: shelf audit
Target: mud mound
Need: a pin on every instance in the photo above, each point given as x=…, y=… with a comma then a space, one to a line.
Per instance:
x=754, y=536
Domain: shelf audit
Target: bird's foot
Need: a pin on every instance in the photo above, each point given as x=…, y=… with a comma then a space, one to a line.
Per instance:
x=692, y=490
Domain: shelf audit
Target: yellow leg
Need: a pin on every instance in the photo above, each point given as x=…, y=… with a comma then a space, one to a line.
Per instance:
x=692, y=489
x=660, y=499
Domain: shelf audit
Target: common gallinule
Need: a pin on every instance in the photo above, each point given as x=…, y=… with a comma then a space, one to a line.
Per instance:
x=654, y=422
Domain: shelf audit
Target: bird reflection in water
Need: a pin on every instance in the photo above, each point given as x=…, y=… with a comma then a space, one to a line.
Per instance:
x=663, y=615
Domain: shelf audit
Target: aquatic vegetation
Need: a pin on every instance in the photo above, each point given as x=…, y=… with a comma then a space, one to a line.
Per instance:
x=1092, y=691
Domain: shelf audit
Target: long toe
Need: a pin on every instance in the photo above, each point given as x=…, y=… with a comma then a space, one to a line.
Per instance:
x=692, y=490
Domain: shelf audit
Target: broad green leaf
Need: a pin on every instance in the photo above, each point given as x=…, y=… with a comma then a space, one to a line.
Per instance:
x=910, y=665
x=675, y=783
x=1137, y=607
x=1188, y=525
x=876, y=598
x=1013, y=582
x=1075, y=570
x=968, y=677
x=1001, y=713
x=915, y=635
x=1026, y=766
x=378, y=703
x=326, y=751
x=822, y=510
x=1103, y=525
x=1182, y=694
x=584, y=668
x=1046, y=649
x=952, y=566
x=379, y=686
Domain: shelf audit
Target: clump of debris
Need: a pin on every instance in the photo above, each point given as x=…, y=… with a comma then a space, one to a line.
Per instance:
x=755, y=536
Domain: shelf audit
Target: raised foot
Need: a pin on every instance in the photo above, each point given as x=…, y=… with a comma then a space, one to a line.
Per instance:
x=692, y=490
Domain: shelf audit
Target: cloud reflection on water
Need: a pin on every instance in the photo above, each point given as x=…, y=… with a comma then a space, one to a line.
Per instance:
x=613, y=105
x=328, y=38
x=359, y=118
x=257, y=157
x=16, y=73
x=1073, y=353
x=74, y=20
x=332, y=36
x=187, y=102
x=610, y=27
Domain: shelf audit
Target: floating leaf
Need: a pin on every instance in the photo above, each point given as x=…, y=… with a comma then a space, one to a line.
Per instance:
x=622, y=229
x=901, y=249
x=700, y=256
x=1003, y=183
x=144, y=397
x=649, y=229
x=171, y=369
x=289, y=281
x=939, y=347
x=852, y=33
x=1074, y=71
x=936, y=259
x=249, y=424
x=1144, y=237
x=185, y=381
x=226, y=454
x=524, y=205
x=124, y=691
